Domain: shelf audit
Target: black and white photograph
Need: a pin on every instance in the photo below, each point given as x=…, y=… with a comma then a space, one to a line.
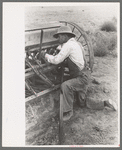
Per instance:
x=70, y=74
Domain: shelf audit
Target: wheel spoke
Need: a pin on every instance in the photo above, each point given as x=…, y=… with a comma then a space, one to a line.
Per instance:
x=84, y=45
x=73, y=29
x=79, y=37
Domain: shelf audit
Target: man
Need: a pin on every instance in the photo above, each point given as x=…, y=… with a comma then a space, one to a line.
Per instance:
x=79, y=74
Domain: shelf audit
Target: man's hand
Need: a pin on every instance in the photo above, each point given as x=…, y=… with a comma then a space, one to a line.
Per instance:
x=43, y=53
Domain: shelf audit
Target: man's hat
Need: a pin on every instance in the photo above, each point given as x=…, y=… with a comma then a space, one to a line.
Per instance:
x=64, y=29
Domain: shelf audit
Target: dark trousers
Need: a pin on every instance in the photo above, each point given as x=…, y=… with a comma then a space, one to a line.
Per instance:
x=78, y=85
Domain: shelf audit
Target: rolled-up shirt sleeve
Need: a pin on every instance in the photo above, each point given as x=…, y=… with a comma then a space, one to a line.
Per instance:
x=60, y=57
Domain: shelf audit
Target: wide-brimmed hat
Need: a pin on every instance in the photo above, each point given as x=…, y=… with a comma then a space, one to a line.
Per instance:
x=64, y=29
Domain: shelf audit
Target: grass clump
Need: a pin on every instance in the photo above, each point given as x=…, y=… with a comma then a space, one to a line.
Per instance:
x=100, y=49
x=104, y=43
x=112, y=43
x=108, y=27
x=99, y=44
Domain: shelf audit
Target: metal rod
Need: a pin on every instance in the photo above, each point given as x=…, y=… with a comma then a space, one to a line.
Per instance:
x=41, y=75
x=30, y=88
x=41, y=38
x=43, y=70
x=42, y=28
x=35, y=66
x=61, y=134
x=42, y=93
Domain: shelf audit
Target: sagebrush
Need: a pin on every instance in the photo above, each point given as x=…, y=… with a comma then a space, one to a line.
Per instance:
x=103, y=42
x=100, y=49
x=108, y=27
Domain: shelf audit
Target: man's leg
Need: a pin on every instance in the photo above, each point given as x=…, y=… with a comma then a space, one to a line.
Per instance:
x=68, y=95
x=68, y=88
x=96, y=104
x=81, y=99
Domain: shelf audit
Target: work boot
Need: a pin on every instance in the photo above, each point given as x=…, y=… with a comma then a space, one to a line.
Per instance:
x=67, y=115
x=111, y=104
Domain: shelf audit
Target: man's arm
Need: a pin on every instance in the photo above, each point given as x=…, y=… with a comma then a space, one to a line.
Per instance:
x=63, y=54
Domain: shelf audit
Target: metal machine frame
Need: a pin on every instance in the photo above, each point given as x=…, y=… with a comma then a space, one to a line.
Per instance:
x=40, y=39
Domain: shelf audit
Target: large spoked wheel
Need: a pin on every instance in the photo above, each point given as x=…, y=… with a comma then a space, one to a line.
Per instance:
x=83, y=38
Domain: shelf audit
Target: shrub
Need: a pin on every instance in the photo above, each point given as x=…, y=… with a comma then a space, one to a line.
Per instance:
x=112, y=42
x=108, y=27
x=99, y=44
x=103, y=42
x=100, y=49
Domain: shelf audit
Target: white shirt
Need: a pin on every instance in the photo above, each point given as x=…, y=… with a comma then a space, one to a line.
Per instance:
x=69, y=49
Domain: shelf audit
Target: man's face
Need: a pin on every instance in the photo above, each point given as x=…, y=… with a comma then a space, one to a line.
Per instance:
x=62, y=38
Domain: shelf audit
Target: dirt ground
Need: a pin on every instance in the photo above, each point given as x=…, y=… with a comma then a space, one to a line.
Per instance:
x=87, y=126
